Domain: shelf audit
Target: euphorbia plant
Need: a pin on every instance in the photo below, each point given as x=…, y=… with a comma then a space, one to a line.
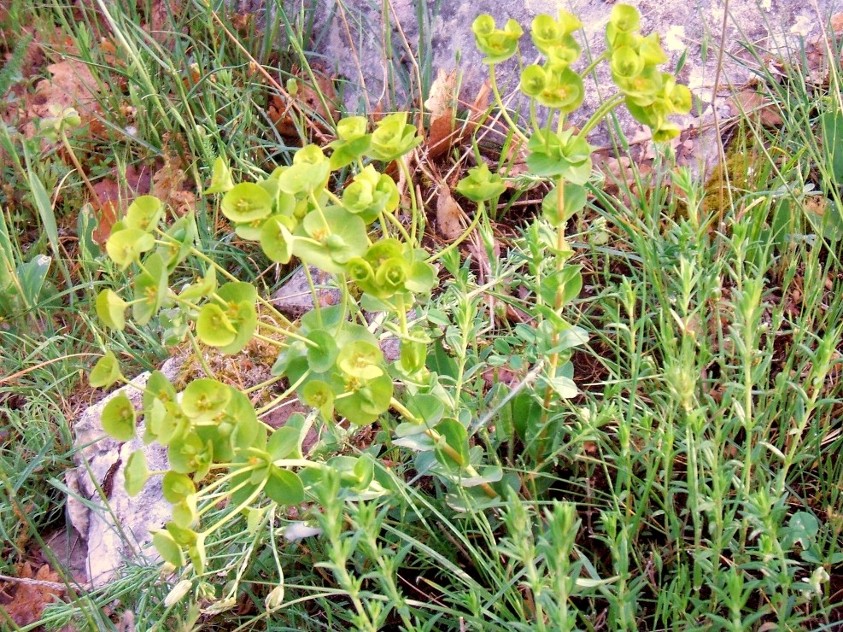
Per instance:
x=331, y=360
x=561, y=153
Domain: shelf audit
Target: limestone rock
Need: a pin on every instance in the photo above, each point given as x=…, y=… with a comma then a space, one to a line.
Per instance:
x=114, y=526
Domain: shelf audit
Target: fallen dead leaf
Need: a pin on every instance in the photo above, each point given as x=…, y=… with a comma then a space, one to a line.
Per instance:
x=450, y=218
x=442, y=98
x=168, y=185
x=30, y=598
x=71, y=86
x=750, y=101
x=306, y=99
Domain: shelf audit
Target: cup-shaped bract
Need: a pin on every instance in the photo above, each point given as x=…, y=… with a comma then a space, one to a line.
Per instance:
x=246, y=202
x=308, y=173
x=624, y=22
x=533, y=80
x=204, y=399
x=105, y=372
x=352, y=141
x=330, y=239
x=213, y=326
x=118, y=418
x=361, y=360
x=391, y=276
x=651, y=50
x=370, y=194
x=626, y=64
x=496, y=44
x=221, y=180
x=563, y=91
x=365, y=403
x=136, y=473
x=276, y=240
x=144, y=213
x=126, y=245
x=111, y=309
x=393, y=137
x=562, y=154
x=150, y=288
x=481, y=184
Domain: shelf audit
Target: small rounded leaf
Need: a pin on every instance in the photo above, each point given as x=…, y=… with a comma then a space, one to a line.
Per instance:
x=213, y=327
x=118, y=418
x=144, y=213
x=136, y=473
x=169, y=550
x=284, y=486
x=111, y=310
x=246, y=202
x=125, y=246
x=105, y=372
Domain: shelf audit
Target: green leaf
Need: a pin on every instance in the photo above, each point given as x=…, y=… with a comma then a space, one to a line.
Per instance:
x=456, y=437
x=167, y=548
x=201, y=288
x=221, y=181
x=318, y=394
x=136, y=473
x=802, y=528
x=105, y=372
x=150, y=289
x=204, y=399
x=574, y=200
x=184, y=512
x=276, y=240
x=177, y=487
x=213, y=327
x=831, y=127
x=246, y=202
x=481, y=184
x=426, y=407
x=284, y=442
x=125, y=246
x=562, y=286
x=144, y=213
x=118, y=418
x=284, y=487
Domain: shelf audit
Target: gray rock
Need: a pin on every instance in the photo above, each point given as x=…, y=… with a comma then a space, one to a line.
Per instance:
x=372, y=54
x=113, y=526
x=294, y=298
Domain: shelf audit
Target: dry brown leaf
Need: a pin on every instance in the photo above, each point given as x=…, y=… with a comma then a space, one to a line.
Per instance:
x=441, y=136
x=112, y=198
x=837, y=23
x=30, y=598
x=71, y=86
x=449, y=216
x=753, y=103
x=442, y=98
x=168, y=185
x=307, y=100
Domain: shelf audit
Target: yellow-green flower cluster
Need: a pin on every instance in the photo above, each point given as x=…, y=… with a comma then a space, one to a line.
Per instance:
x=651, y=95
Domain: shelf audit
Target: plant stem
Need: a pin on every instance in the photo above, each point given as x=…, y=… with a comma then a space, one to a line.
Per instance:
x=493, y=83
